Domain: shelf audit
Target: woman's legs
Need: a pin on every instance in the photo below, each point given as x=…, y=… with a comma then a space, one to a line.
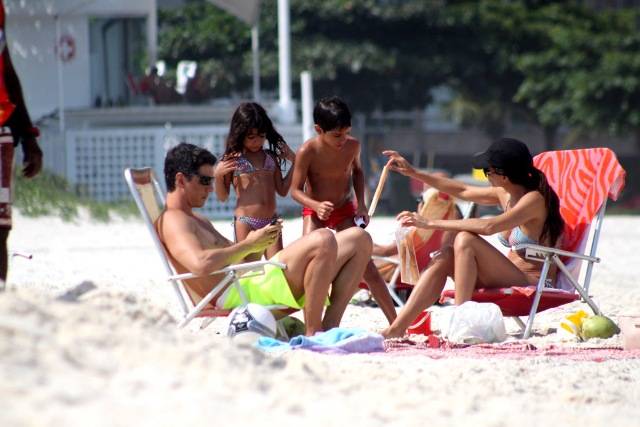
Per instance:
x=477, y=261
x=472, y=260
x=425, y=293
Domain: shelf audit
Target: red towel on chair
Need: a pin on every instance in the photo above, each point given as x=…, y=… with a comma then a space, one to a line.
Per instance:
x=598, y=175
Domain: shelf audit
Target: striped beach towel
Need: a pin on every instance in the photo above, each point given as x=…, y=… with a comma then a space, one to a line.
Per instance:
x=583, y=179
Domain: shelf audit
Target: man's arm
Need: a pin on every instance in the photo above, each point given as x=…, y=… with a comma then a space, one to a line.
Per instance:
x=180, y=237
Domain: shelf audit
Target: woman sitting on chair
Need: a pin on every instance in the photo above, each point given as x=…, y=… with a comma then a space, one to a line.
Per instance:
x=531, y=215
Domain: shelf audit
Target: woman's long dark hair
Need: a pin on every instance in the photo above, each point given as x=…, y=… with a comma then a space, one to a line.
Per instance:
x=534, y=179
x=248, y=116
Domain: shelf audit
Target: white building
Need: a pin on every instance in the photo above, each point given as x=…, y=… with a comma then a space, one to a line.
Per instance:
x=76, y=60
x=70, y=54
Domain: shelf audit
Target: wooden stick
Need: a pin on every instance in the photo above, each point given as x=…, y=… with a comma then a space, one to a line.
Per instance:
x=378, y=193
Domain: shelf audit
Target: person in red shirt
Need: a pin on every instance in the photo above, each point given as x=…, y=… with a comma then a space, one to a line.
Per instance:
x=15, y=129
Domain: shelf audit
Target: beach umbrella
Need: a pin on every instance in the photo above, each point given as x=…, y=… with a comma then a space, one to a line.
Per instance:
x=247, y=11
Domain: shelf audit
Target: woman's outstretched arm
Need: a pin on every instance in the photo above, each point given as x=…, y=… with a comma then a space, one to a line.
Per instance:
x=458, y=189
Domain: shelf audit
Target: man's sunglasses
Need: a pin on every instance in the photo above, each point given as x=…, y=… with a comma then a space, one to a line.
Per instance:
x=204, y=179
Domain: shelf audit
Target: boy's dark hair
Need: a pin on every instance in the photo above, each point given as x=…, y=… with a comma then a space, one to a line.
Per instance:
x=332, y=113
x=185, y=158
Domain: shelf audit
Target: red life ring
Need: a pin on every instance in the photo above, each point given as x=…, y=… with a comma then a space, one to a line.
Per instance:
x=66, y=47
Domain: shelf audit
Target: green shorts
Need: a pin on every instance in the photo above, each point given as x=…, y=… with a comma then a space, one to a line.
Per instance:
x=270, y=288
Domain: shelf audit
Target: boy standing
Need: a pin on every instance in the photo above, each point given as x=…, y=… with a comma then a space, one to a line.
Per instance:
x=326, y=165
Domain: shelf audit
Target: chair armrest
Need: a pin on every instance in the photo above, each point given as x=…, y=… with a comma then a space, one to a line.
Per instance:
x=246, y=266
x=538, y=252
x=386, y=258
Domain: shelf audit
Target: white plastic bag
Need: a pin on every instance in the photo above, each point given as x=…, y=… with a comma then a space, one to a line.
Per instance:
x=474, y=323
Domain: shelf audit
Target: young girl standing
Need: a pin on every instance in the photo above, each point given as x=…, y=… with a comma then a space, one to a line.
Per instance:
x=255, y=172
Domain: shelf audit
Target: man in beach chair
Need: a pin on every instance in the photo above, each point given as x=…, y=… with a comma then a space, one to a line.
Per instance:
x=298, y=277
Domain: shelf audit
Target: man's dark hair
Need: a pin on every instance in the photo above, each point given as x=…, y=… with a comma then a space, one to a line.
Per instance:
x=185, y=158
x=332, y=113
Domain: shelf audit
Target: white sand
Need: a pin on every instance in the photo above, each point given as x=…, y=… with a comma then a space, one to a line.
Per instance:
x=115, y=357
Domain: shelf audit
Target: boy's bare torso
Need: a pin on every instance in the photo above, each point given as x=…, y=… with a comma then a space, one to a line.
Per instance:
x=330, y=171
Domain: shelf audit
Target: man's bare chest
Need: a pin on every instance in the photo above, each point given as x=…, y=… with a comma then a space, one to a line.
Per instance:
x=209, y=238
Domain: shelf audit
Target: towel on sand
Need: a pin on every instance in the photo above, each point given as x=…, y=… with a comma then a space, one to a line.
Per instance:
x=336, y=340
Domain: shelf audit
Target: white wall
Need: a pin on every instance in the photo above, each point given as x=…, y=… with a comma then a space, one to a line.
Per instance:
x=32, y=45
x=78, y=7
x=31, y=33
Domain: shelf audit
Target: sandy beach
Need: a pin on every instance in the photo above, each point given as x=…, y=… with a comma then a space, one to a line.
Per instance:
x=88, y=337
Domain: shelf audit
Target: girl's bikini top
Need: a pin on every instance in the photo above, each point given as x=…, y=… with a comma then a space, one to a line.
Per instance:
x=244, y=166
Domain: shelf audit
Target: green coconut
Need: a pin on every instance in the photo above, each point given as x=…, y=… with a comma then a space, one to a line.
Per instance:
x=598, y=327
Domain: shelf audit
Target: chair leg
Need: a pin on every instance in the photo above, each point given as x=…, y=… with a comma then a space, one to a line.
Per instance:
x=392, y=287
x=206, y=322
x=520, y=323
x=281, y=331
x=536, y=298
x=395, y=297
x=198, y=308
x=578, y=288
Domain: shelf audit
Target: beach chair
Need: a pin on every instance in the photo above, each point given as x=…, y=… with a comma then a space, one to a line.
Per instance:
x=150, y=200
x=583, y=180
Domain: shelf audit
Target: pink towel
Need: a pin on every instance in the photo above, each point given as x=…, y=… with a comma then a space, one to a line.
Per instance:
x=439, y=349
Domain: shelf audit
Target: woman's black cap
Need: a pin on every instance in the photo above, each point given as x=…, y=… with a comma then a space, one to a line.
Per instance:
x=506, y=154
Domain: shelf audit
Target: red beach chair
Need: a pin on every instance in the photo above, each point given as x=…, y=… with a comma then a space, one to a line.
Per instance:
x=583, y=180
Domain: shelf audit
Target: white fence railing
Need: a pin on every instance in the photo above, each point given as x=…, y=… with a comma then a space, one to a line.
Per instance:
x=93, y=160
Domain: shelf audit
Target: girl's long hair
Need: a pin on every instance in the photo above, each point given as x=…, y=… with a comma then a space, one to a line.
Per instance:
x=534, y=179
x=248, y=116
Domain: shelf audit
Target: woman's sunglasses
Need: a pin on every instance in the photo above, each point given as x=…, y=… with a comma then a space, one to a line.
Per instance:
x=492, y=171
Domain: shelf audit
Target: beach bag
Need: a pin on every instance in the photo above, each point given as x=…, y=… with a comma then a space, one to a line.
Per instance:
x=414, y=243
x=436, y=205
x=409, y=272
x=475, y=323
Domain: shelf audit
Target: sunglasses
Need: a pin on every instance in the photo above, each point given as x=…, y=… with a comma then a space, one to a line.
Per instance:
x=204, y=179
x=488, y=171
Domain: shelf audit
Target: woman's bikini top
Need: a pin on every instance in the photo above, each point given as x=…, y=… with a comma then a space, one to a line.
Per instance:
x=243, y=165
x=516, y=237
